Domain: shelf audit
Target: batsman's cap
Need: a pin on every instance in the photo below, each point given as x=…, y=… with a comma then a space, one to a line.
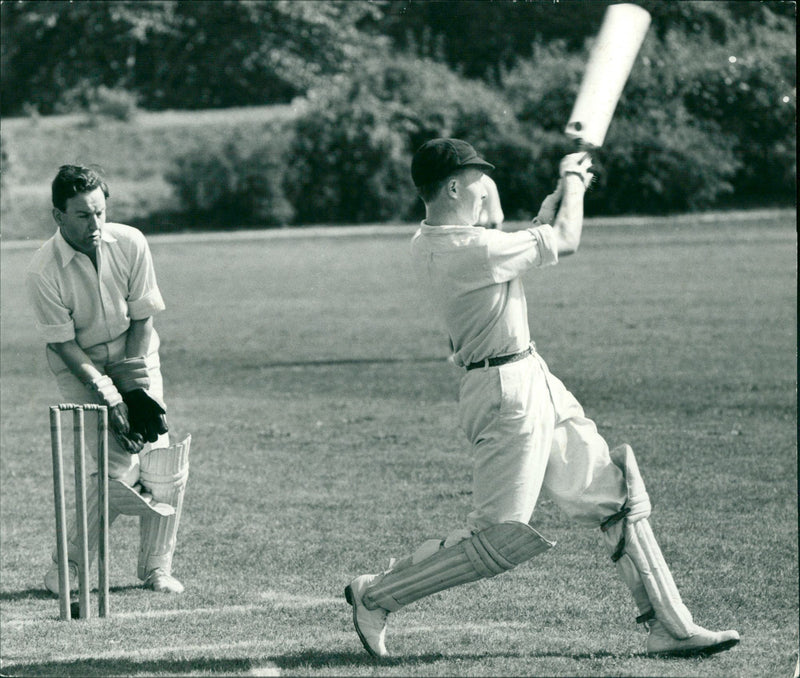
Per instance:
x=439, y=158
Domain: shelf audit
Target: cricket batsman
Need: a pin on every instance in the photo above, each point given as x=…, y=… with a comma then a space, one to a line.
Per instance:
x=528, y=433
x=93, y=290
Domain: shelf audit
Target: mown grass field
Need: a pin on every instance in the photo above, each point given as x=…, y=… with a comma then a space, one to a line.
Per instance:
x=323, y=416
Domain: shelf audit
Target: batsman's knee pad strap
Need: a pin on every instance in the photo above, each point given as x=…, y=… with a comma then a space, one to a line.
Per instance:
x=486, y=553
x=637, y=506
x=637, y=503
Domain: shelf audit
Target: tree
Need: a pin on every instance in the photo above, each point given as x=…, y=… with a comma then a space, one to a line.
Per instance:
x=480, y=38
x=179, y=53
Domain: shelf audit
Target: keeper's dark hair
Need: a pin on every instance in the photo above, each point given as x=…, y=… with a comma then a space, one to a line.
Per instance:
x=72, y=180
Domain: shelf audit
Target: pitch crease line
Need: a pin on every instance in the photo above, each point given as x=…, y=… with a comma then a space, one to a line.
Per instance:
x=281, y=601
x=157, y=653
x=477, y=628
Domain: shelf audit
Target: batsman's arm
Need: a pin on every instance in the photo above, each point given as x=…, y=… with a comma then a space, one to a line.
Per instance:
x=575, y=178
x=549, y=206
x=492, y=212
x=568, y=225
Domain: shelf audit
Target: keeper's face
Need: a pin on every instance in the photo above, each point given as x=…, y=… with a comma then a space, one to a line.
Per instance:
x=81, y=223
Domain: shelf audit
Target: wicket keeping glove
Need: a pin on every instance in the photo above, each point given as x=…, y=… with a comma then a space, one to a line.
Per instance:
x=107, y=394
x=147, y=413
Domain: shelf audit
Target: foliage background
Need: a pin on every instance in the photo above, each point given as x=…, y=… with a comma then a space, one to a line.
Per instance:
x=707, y=119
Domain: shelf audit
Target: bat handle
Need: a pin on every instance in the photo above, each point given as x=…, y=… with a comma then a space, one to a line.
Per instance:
x=581, y=145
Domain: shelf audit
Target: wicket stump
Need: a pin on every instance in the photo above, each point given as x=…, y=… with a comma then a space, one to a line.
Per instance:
x=81, y=510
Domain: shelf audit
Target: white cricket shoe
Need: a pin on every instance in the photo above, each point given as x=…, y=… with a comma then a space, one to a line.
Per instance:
x=370, y=624
x=701, y=642
x=162, y=581
x=51, y=577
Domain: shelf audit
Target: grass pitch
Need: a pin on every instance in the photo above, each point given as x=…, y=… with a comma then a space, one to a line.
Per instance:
x=325, y=440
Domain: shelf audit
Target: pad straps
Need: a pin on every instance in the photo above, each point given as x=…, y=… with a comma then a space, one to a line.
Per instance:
x=486, y=553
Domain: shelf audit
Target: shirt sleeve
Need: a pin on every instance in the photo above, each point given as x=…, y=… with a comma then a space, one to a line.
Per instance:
x=144, y=297
x=511, y=254
x=53, y=319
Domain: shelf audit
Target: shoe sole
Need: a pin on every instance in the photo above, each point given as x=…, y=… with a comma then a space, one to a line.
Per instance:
x=699, y=651
x=349, y=596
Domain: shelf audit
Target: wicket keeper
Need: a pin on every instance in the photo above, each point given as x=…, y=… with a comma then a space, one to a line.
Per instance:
x=93, y=289
x=527, y=431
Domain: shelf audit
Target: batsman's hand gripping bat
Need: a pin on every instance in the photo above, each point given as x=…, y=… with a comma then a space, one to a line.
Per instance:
x=610, y=61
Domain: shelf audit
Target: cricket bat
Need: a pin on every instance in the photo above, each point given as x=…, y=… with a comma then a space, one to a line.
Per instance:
x=610, y=62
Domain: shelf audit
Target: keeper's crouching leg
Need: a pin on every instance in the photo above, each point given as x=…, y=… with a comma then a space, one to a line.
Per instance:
x=123, y=499
x=164, y=472
x=437, y=566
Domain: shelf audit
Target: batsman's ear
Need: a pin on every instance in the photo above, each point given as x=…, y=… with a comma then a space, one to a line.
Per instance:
x=451, y=187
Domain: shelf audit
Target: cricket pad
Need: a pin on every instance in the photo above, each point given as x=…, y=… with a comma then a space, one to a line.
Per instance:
x=642, y=567
x=486, y=553
x=164, y=472
x=633, y=548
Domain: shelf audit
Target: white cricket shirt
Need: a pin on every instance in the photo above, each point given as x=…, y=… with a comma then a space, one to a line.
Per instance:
x=72, y=300
x=472, y=277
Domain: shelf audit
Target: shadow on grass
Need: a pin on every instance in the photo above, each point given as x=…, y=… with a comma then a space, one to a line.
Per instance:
x=308, y=660
x=27, y=594
x=129, y=667
x=223, y=666
x=43, y=594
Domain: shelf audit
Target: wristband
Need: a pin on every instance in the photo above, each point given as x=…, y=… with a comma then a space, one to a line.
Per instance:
x=106, y=391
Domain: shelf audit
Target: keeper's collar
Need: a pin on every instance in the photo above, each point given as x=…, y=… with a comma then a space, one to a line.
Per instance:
x=66, y=252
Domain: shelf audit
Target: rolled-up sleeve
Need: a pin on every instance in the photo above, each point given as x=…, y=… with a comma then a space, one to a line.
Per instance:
x=548, y=246
x=144, y=297
x=53, y=320
x=510, y=254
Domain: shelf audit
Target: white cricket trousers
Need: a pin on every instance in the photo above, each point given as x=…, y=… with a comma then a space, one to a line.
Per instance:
x=529, y=434
x=121, y=465
x=157, y=535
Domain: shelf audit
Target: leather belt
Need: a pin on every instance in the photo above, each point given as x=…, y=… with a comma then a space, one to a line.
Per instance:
x=500, y=360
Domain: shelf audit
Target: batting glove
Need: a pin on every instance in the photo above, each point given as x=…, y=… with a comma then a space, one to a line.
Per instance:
x=579, y=164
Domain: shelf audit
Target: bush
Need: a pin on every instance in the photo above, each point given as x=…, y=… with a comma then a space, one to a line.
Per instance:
x=114, y=102
x=657, y=157
x=747, y=87
x=5, y=163
x=348, y=163
x=100, y=101
x=352, y=149
x=234, y=184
